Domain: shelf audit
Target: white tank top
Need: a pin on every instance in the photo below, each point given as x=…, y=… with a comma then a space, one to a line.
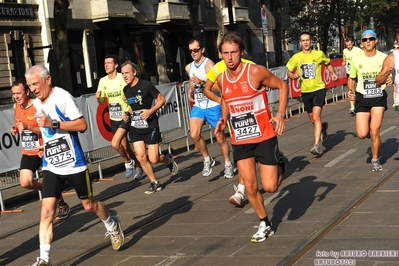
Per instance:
x=201, y=101
x=396, y=75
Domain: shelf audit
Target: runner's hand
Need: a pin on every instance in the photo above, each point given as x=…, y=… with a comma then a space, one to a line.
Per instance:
x=279, y=124
x=220, y=126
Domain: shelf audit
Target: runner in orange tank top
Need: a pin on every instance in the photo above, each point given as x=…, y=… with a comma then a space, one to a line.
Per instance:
x=254, y=129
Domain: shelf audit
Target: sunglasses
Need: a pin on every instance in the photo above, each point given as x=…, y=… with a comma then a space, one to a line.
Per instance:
x=194, y=50
x=368, y=39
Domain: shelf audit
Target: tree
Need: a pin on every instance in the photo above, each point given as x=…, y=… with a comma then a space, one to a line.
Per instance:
x=320, y=16
x=61, y=47
x=278, y=32
x=194, y=20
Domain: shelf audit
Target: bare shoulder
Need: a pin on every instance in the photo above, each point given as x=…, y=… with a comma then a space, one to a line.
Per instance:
x=259, y=70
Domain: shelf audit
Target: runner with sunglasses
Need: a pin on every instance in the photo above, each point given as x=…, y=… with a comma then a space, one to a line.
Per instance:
x=204, y=109
x=370, y=98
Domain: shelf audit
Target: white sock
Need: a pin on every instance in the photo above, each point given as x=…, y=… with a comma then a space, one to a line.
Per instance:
x=227, y=164
x=207, y=159
x=109, y=223
x=45, y=252
x=241, y=188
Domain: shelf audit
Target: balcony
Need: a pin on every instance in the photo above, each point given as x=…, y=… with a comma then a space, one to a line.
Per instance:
x=102, y=10
x=172, y=11
x=240, y=15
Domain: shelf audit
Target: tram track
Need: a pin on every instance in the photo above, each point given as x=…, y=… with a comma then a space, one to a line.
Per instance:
x=313, y=239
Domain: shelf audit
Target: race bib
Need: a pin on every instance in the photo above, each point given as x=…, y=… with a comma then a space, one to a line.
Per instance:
x=245, y=126
x=115, y=111
x=199, y=94
x=58, y=152
x=370, y=89
x=308, y=71
x=137, y=121
x=29, y=140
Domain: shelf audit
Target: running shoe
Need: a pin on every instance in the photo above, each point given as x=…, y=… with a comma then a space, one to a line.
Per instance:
x=63, y=211
x=352, y=111
x=315, y=150
x=139, y=173
x=229, y=171
x=208, y=167
x=238, y=198
x=154, y=187
x=324, y=127
x=40, y=262
x=129, y=168
x=263, y=233
x=173, y=167
x=377, y=167
x=116, y=235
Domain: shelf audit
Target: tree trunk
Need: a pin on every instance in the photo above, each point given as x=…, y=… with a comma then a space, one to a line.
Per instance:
x=61, y=47
x=194, y=20
x=278, y=44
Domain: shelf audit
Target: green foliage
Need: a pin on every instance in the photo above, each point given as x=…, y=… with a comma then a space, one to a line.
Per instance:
x=320, y=17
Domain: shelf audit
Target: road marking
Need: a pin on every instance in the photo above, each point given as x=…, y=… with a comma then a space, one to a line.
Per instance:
x=339, y=158
x=387, y=130
x=170, y=260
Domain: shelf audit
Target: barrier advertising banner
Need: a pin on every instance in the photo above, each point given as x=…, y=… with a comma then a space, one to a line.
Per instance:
x=98, y=134
x=10, y=149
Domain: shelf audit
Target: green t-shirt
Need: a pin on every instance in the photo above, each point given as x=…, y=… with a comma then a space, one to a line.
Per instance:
x=308, y=67
x=113, y=90
x=349, y=55
x=366, y=69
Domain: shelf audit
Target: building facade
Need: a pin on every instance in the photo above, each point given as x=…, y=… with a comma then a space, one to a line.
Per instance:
x=152, y=33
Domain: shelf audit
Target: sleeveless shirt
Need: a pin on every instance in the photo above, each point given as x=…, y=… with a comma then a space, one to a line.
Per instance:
x=396, y=74
x=29, y=139
x=249, y=109
x=201, y=101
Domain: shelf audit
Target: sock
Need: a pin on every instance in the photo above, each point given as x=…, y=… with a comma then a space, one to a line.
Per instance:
x=227, y=164
x=267, y=222
x=109, y=223
x=352, y=106
x=241, y=188
x=207, y=159
x=45, y=252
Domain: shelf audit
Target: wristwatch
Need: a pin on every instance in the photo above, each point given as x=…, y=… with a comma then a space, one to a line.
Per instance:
x=55, y=124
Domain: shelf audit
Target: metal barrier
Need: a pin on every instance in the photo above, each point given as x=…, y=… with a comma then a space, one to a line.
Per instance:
x=101, y=155
x=184, y=131
x=10, y=179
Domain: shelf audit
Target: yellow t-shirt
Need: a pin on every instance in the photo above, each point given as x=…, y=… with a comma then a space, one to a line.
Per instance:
x=366, y=70
x=308, y=67
x=349, y=55
x=113, y=90
x=219, y=68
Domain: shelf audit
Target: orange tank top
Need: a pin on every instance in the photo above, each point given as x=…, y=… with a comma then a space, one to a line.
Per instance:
x=29, y=140
x=249, y=110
